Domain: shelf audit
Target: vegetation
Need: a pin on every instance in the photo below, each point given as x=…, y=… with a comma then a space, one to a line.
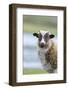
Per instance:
x=34, y=71
x=33, y=23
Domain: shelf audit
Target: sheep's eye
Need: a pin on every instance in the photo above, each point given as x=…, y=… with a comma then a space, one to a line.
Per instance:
x=40, y=37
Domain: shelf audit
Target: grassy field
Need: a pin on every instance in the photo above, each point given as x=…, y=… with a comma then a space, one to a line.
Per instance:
x=34, y=71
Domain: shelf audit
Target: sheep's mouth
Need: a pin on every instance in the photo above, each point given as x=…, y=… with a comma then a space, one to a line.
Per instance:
x=43, y=45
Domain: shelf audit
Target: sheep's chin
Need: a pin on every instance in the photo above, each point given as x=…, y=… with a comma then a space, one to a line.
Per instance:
x=44, y=50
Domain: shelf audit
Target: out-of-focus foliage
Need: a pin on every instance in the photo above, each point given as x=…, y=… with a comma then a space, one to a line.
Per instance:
x=33, y=23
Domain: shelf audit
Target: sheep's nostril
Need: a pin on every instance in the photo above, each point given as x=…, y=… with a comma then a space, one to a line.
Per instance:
x=42, y=45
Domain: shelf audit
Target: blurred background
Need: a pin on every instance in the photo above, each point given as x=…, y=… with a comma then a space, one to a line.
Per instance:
x=33, y=23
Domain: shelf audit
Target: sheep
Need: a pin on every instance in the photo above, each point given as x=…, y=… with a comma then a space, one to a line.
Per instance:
x=47, y=50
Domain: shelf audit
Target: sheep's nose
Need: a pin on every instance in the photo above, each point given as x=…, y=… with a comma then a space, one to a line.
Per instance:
x=42, y=45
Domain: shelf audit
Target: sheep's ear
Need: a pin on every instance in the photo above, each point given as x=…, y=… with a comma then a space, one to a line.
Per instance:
x=35, y=34
x=51, y=36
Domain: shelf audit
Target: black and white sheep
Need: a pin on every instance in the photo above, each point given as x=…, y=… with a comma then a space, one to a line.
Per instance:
x=47, y=50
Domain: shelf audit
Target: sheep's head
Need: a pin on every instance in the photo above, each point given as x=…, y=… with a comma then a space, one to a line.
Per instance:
x=43, y=38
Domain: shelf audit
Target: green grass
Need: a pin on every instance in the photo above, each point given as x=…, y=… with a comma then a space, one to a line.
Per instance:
x=28, y=71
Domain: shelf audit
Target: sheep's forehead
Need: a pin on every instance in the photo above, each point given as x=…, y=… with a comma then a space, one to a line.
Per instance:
x=43, y=32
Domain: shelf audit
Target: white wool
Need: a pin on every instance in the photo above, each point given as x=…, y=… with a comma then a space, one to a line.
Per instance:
x=42, y=52
x=43, y=32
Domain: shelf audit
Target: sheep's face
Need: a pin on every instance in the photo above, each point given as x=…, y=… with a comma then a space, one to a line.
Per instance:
x=43, y=38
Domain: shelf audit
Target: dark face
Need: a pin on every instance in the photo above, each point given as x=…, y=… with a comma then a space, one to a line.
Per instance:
x=43, y=39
